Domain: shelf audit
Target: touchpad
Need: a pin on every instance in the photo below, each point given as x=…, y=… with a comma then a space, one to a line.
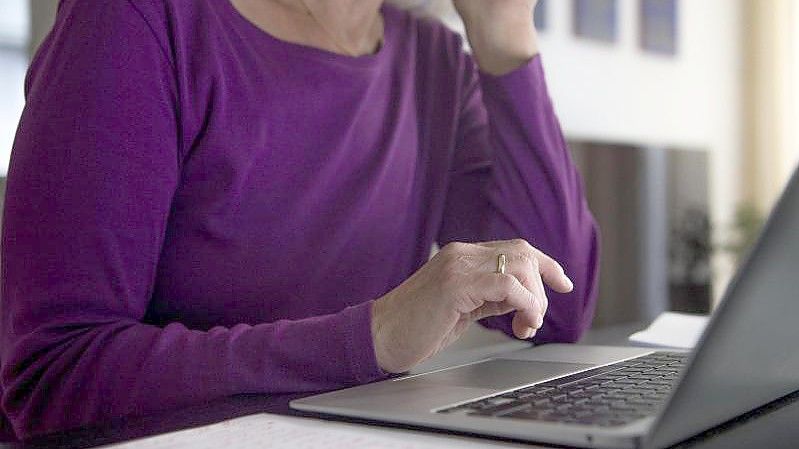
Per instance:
x=500, y=374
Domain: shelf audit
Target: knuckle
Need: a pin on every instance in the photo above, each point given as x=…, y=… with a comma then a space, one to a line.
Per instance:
x=454, y=248
x=544, y=259
x=530, y=301
x=540, y=305
x=526, y=257
x=521, y=244
x=457, y=263
x=506, y=282
x=525, y=279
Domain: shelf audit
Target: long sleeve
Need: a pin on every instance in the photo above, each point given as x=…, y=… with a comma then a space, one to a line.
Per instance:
x=94, y=169
x=513, y=177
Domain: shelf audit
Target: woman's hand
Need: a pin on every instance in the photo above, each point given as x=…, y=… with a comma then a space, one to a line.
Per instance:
x=500, y=32
x=458, y=286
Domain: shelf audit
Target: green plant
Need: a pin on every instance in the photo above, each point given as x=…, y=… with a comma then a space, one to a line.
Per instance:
x=746, y=225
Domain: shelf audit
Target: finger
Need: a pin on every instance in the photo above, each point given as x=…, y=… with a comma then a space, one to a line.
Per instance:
x=522, y=329
x=490, y=309
x=526, y=271
x=549, y=269
x=506, y=288
x=553, y=274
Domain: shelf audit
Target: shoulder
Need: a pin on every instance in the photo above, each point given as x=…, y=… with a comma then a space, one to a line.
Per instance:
x=178, y=27
x=161, y=17
x=442, y=66
x=434, y=41
x=101, y=20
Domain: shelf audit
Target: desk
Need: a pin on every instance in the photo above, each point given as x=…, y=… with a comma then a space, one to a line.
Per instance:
x=771, y=427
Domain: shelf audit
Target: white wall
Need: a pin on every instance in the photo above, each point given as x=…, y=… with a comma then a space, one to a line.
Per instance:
x=14, y=30
x=14, y=24
x=794, y=101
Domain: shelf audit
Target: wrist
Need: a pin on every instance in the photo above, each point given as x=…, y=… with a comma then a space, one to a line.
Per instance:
x=498, y=53
x=504, y=42
x=384, y=360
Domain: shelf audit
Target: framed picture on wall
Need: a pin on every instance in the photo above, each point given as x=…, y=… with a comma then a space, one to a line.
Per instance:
x=659, y=26
x=540, y=15
x=596, y=19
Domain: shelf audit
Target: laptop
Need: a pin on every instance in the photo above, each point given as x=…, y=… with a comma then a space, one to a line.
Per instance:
x=617, y=397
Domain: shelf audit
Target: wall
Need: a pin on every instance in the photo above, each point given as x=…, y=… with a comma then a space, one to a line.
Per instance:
x=42, y=19
x=14, y=23
x=771, y=98
x=14, y=29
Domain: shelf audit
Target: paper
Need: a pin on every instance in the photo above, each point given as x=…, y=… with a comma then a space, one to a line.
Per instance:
x=674, y=330
x=276, y=431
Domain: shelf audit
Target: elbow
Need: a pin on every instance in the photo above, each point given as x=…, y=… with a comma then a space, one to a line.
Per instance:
x=38, y=389
x=22, y=397
x=27, y=388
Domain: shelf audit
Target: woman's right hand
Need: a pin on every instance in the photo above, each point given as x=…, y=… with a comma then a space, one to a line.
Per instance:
x=457, y=287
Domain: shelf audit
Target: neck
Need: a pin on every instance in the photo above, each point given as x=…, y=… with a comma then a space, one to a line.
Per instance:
x=347, y=16
x=354, y=25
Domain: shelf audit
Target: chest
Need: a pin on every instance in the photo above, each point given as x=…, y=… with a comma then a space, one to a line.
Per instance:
x=288, y=175
x=277, y=145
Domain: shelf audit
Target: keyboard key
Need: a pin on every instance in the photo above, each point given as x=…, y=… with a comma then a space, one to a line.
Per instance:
x=610, y=395
x=577, y=377
x=596, y=404
x=582, y=395
x=499, y=409
x=526, y=414
x=644, y=377
x=638, y=391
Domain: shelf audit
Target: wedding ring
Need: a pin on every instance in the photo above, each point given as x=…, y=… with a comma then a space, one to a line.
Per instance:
x=502, y=262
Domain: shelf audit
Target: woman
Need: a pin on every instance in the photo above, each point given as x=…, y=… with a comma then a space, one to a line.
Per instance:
x=216, y=197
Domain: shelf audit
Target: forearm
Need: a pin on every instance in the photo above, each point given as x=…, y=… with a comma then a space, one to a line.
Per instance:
x=114, y=368
x=514, y=178
x=535, y=192
x=501, y=33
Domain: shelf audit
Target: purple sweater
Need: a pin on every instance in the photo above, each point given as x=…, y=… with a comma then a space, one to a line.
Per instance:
x=196, y=209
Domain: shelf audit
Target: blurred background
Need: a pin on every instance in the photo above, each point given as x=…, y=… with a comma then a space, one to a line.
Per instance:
x=682, y=116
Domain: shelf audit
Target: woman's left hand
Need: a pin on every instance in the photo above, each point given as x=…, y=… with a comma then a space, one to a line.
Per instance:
x=500, y=32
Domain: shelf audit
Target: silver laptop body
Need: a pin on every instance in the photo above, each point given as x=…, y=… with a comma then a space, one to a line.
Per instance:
x=746, y=358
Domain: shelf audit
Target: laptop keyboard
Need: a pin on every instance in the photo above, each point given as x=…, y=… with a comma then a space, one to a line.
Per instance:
x=610, y=395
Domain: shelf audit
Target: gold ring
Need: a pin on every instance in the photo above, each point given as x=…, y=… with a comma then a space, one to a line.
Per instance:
x=502, y=262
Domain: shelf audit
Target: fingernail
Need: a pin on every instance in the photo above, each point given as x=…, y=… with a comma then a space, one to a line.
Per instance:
x=529, y=333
